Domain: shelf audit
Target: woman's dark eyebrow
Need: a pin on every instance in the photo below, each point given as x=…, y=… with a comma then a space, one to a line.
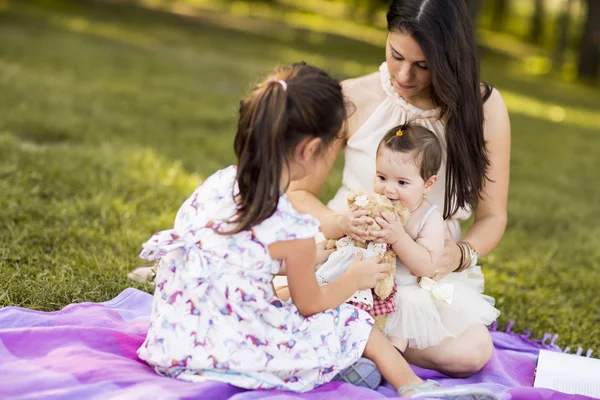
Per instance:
x=400, y=54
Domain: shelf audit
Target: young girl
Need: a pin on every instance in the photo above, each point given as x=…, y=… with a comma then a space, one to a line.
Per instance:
x=427, y=310
x=215, y=315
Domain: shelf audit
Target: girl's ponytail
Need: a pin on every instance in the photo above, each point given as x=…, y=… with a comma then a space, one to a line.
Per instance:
x=261, y=127
x=296, y=102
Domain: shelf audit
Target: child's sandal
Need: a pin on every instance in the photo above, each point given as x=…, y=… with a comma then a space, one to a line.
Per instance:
x=144, y=274
x=362, y=373
x=432, y=389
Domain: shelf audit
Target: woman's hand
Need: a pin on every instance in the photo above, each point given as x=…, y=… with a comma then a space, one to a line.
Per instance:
x=322, y=253
x=451, y=257
x=366, y=273
x=349, y=220
x=391, y=231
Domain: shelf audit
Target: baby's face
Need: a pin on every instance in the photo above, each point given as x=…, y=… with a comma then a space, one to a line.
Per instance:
x=398, y=178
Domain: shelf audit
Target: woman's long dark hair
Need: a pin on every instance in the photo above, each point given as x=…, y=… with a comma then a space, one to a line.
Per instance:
x=295, y=102
x=443, y=30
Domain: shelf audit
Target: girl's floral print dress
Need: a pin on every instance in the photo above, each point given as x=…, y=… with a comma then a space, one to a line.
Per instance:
x=215, y=315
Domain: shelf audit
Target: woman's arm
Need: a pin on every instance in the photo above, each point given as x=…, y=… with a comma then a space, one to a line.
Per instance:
x=306, y=294
x=490, y=215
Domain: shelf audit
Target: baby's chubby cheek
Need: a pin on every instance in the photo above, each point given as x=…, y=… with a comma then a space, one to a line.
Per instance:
x=379, y=190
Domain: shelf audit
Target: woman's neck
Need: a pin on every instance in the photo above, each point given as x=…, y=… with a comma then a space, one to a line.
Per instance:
x=422, y=100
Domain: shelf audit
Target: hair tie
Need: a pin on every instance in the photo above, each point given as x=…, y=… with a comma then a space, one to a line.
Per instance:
x=281, y=82
x=400, y=132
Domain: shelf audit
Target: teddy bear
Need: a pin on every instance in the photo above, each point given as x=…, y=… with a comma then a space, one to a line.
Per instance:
x=377, y=205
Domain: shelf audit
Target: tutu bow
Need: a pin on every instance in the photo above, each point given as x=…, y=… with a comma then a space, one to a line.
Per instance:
x=440, y=291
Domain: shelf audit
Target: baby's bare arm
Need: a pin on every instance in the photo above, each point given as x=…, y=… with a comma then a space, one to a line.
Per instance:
x=423, y=255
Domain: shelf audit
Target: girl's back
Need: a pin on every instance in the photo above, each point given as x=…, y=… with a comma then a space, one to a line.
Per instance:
x=204, y=217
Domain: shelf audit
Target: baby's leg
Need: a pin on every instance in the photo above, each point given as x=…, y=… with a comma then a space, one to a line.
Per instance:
x=390, y=362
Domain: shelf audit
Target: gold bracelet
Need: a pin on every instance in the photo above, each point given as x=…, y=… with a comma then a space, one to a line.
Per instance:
x=472, y=254
x=469, y=256
x=469, y=261
x=463, y=257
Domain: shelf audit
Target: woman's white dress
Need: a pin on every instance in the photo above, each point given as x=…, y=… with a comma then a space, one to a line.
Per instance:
x=422, y=320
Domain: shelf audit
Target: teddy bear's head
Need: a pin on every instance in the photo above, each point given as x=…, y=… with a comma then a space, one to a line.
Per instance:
x=376, y=204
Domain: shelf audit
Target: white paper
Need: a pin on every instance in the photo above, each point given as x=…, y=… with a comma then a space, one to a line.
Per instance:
x=568, y=373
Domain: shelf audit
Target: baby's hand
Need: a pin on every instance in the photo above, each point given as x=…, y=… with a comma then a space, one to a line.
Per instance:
x=391, y=231
x=348, y=222
x=367, y=272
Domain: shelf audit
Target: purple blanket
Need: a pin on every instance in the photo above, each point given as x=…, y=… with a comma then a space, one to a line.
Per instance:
x=88, y=350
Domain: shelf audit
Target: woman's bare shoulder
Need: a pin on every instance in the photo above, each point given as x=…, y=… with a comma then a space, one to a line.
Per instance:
x=497, y=123
x=494, y=99
x=363, y=88
x=365, y=94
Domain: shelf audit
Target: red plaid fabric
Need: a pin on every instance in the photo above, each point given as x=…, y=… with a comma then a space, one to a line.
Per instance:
x=362, y=306
x=380, y=307
x=384, y=307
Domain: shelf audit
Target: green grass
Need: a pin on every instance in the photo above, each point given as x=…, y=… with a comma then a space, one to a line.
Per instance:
x=111, y=115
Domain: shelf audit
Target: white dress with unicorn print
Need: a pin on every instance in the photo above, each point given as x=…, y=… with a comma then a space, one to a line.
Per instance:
x=214, y=314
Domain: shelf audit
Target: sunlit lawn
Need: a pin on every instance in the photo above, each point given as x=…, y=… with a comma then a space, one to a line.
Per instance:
x=111, y=115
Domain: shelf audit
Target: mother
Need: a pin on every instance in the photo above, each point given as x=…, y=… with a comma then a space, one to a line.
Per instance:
x=431, y=74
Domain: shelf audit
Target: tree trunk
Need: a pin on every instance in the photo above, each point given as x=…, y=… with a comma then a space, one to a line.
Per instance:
x=589, y=51
x=563, y=23
x=499, y=14
x=537, y=22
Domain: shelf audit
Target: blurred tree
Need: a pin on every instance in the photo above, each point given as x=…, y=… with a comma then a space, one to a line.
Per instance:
x=499, y=13
x=365, y=10
x=589, y=50
x=537, y=21
x=564, y=19
x=372, y=7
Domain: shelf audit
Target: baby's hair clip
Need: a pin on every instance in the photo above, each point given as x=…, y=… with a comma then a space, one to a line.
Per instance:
x=400, y=132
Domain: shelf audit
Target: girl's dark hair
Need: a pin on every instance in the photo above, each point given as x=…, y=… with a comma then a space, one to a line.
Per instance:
x=273, y=120
x=409, y=138
x=443, y=30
